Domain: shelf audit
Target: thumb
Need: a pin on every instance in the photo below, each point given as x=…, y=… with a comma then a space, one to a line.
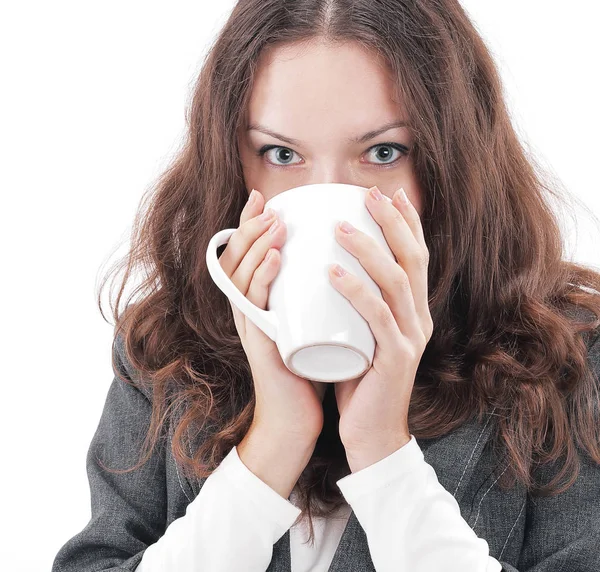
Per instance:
x=344, y=390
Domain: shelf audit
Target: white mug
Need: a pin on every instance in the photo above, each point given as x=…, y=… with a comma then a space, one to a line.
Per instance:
x=318, y=332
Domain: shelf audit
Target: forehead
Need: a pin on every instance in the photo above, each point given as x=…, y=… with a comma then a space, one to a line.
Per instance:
x=328, y=87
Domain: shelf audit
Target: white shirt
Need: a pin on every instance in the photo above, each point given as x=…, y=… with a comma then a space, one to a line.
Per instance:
x=411, y=522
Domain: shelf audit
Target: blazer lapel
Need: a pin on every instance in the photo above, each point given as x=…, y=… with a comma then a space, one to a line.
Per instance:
x=453, y=457
x=281, y=560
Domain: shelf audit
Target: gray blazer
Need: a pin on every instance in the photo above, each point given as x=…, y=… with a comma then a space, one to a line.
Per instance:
x=131, y=511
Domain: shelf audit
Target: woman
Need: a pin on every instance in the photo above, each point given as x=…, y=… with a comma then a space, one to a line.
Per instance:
x=472, y=443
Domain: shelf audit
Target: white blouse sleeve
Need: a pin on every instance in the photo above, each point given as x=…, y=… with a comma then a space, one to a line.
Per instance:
x=411, y=521
x=230, y=526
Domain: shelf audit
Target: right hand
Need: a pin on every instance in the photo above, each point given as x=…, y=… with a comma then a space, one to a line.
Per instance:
x=286, y=404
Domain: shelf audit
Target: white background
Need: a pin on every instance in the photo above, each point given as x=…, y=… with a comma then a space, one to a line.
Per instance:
x=92, y=107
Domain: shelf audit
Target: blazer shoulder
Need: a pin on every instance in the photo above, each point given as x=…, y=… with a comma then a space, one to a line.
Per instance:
x=123, y=368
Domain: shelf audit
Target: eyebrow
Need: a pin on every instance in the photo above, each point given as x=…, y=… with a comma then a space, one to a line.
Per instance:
x=362, y=139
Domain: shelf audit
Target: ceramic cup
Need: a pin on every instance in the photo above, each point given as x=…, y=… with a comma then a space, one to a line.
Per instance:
x=319, y=334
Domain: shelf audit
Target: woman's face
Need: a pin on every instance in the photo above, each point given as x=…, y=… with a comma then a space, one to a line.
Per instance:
x=330, y=100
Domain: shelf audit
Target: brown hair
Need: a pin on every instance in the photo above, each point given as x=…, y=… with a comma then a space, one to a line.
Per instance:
x=500, y=293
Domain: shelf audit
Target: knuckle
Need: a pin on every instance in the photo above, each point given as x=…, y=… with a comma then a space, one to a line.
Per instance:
x=400, y=280
x=355, y=289
x=244, y=232
x=383, y=313
x=407, y=349
x=422, y=259
x=397, y=216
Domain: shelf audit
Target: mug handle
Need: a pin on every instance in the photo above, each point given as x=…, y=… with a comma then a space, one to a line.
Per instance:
x=266, y=320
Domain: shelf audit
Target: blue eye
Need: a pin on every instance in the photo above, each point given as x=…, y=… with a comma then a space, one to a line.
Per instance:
x=402, y=150
x=287, y=153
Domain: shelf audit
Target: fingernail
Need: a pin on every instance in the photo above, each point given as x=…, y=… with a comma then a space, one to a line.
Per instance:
x=252, y=197
x=376, y=193
x=269, y=213
x=346, y=227
x=338, y=270
x=274, y=227
x=402, y=196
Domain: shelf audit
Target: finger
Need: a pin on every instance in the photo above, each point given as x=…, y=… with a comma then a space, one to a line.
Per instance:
x=254, y=206
x=411, y=216
x=258, y=289
x=242, y=240
x=251, y=260
x=235, y=250
x=390, y=341
x=344, y=392
x=271, y=237
x=415, y=260
x=396, y=285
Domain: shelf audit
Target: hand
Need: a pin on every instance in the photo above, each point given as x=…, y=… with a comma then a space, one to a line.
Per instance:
x=286, y=405
x=374, y=409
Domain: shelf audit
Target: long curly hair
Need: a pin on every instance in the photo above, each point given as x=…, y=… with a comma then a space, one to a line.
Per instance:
x=508, y=335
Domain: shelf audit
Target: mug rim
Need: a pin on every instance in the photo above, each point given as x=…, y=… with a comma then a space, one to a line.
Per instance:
x=336, y=187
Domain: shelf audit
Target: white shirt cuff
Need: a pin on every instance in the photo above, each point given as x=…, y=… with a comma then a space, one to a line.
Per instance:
x=269, y=502
x=232, y=524
x=411, y=521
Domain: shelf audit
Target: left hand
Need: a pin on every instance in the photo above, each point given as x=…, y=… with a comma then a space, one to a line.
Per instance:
x=374, y=409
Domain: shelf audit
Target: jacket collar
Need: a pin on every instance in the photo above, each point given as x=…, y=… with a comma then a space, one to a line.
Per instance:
x=453, y=456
